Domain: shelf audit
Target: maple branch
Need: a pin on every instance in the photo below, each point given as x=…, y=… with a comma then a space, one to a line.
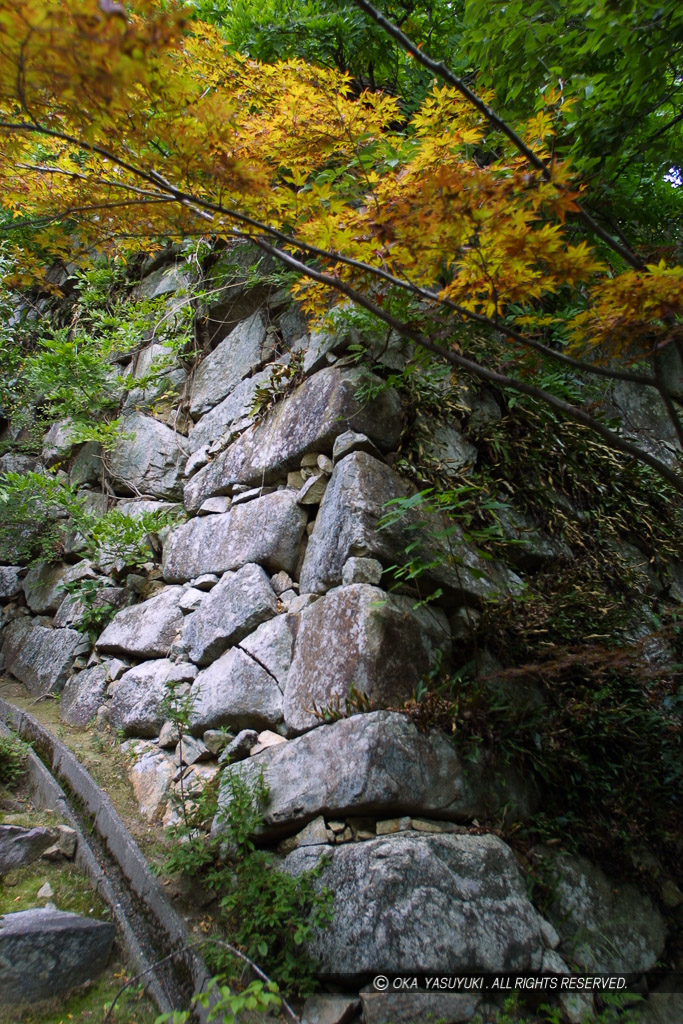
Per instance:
x=613, y=441
x=445, y=73
x=195, y=202
x=200, y=207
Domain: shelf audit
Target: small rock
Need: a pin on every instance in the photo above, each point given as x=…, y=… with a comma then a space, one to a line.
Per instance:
x=191, y=600
x=295, y=480
x=197, y=460
x=20, y=846
x=314, y=834
x=206, y=581
x=190, y=750
x=336, y=826
x=215, y=506
x=391, y=825
x=169, y=736
x=240, y=747
x=349, y=442
x=436, y=827
x=313, y=490
x=67, y=840
x=301, y=601
x=250, y=494
x=362, y=570
x=310, y=460
x=280, y=582
x=266, y=739
x=325, y=465
x=329, y=1009
x=45, y=892
x=115, y=668
x=346, y=836
x=287, y=598
x=215, y=740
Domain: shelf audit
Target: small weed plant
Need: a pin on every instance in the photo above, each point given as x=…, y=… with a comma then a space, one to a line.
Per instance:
x=13, y=760
x=265, y=912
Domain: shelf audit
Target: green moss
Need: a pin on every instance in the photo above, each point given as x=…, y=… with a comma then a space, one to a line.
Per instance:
x=89, y=1005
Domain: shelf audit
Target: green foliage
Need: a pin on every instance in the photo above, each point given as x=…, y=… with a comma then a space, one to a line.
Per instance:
x=267, y=913
x=118, y=536
x=226, y=1006
x=71, y=371
x=334, y=33
x=96, y=611
x=13, y=760
x=41, y=511
x=615, y=1008
x=620, y=64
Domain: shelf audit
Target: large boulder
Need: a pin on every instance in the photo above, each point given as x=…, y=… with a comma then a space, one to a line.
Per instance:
x=309, y=420
x=238, y=603
x=44, y=584
x=20, y=846
x=439, y=903
x=347, y=525
x=83, y=694
x=372, y=764
x=266, y=530
x=604, y=926
x=45, y=953
x=361, y=636
x=138, y=699
x=236, y=693
x=148, y=458
x=246, y=349
x=233, y=414
x=40, y=657
x=145, y=630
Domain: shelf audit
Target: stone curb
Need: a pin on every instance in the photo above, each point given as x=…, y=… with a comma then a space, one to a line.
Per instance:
x=121, y=847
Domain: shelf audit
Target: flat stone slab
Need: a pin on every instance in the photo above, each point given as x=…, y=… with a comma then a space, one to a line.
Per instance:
x=423, y=903
x=239, y=603
x=373, y=764
x=137, y=702
x=150, y=460
x=46, y=953
x=20, y=846
x=83, y=694
x=267, y=530
x=235, y=692
x=40, y=657
x=145, y=630
x=323, y=407
x=360, y=636
x=245, y=349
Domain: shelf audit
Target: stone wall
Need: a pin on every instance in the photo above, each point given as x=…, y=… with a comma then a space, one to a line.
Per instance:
x=273, y=603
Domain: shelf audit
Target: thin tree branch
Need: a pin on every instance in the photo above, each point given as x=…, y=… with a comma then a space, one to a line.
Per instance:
x=440, y=69
x=197, y=202
x=612, y=440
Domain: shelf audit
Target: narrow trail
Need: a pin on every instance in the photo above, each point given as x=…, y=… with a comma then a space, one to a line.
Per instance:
x=148, y=925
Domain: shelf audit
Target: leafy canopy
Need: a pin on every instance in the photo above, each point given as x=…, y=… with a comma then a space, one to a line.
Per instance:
x=124, y=124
